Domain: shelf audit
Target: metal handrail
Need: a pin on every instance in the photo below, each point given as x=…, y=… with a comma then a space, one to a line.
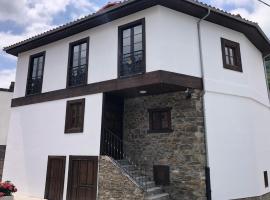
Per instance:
x=113, y=146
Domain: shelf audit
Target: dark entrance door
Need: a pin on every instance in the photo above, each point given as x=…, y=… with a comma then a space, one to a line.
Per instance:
x=112, y=126
x=113, y=114
x=55, y=177
x=82, y=178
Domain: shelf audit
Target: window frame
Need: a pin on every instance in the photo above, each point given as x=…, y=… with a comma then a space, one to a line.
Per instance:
x=265, y=177
x=162, y=130
x=120, y=45
x=67, y=118
x=70, y=57
x=235, y=45
x=31, y=58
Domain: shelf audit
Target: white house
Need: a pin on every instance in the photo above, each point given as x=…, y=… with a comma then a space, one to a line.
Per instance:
x=154, y=99
x=5, y=107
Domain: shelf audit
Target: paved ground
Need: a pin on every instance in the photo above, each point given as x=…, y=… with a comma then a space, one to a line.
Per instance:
x=17, y=197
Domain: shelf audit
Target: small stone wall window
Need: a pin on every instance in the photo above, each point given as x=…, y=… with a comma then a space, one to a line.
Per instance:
x=231, y=55
x=160, y=120
x=75, y=116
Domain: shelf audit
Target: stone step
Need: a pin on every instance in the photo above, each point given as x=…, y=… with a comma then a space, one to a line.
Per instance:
x=123, y=162
x=163, y=196
x=153, y=191
x=129, y=167
x=142, y=178
x=149, y=184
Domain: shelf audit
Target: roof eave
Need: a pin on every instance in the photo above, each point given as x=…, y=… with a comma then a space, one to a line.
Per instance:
x=252, y=30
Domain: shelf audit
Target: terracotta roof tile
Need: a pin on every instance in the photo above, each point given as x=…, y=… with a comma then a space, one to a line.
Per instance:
x=111, y=6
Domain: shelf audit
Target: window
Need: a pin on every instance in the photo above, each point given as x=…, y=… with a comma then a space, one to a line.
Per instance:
x=231, y=55
x=78, y=63
x=160, y=120
x=75, y=116
x=35, y=74
x=132, y=49
x=265, y=175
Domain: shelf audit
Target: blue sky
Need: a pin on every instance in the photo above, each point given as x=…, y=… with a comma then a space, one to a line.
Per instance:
x=20, y=19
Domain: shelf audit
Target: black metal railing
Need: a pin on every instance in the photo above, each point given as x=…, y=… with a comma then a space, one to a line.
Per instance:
x=34, y=85
x=77, y=75
x=132, y=63
x=115, y=147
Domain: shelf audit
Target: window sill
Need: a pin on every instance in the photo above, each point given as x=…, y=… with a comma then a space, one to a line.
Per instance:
x=75, y=86
x=130, y=75
x=33, y=94
x=234, y=68
x=160, y=131
x=70, y=131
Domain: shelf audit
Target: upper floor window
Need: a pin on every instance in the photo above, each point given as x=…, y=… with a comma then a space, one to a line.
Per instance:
x=78, y=63
x=231, y=55
x=35, y=74
x=132, y=49
x=75, y=116
x=160, y=120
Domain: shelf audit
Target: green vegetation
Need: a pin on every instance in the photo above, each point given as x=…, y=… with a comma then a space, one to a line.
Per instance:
x=268, y=71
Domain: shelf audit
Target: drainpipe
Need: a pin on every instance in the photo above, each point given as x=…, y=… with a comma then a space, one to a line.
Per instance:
x=207, y=168
x=265, y=73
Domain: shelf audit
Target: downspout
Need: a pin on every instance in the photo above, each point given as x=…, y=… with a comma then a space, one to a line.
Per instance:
x=266, y=78
x=207, y=168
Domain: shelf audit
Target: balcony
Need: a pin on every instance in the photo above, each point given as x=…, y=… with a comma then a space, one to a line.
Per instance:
x=132, y=64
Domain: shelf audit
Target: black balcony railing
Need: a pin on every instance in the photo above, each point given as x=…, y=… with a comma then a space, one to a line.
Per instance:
x=114, y=147
x=34, y=85
x=132, y=63
x=77, y=75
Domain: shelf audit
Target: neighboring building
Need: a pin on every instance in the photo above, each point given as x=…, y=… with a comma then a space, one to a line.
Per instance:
x=5, y=107
x=122, y=104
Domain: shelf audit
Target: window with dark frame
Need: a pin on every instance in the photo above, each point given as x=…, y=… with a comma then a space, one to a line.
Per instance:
x=78, y=63
x=231, y=55
x=132, y=49
x=75, y=116
x=160, y=120
x=35, y=74
x=265, y=175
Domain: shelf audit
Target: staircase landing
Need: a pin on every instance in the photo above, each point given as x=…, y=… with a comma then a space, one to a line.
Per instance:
x=152, y=192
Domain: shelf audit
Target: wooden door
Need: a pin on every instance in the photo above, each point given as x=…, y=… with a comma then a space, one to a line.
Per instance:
x=55, y=178
x=82, y=178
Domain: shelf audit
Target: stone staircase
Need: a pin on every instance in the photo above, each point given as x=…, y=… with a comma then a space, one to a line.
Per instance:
x=152, y=192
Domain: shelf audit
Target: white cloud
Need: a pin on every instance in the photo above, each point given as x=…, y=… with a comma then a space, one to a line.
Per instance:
x=250, y=9
x=238, y=3
x=259, y=15
x=6, y=76
x=36, y=16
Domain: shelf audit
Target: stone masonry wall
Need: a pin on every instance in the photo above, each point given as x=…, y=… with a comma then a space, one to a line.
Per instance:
x=183, y=149
x=113, y=184
x=2, y=157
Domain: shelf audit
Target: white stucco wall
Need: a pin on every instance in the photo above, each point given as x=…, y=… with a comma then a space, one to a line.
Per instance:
x=37, y=131
x=103, y=48
x=5, y=103
x=237, y=117
x=237, y=106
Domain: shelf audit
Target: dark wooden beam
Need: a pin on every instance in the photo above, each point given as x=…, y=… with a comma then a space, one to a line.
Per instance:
x=114, y=85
